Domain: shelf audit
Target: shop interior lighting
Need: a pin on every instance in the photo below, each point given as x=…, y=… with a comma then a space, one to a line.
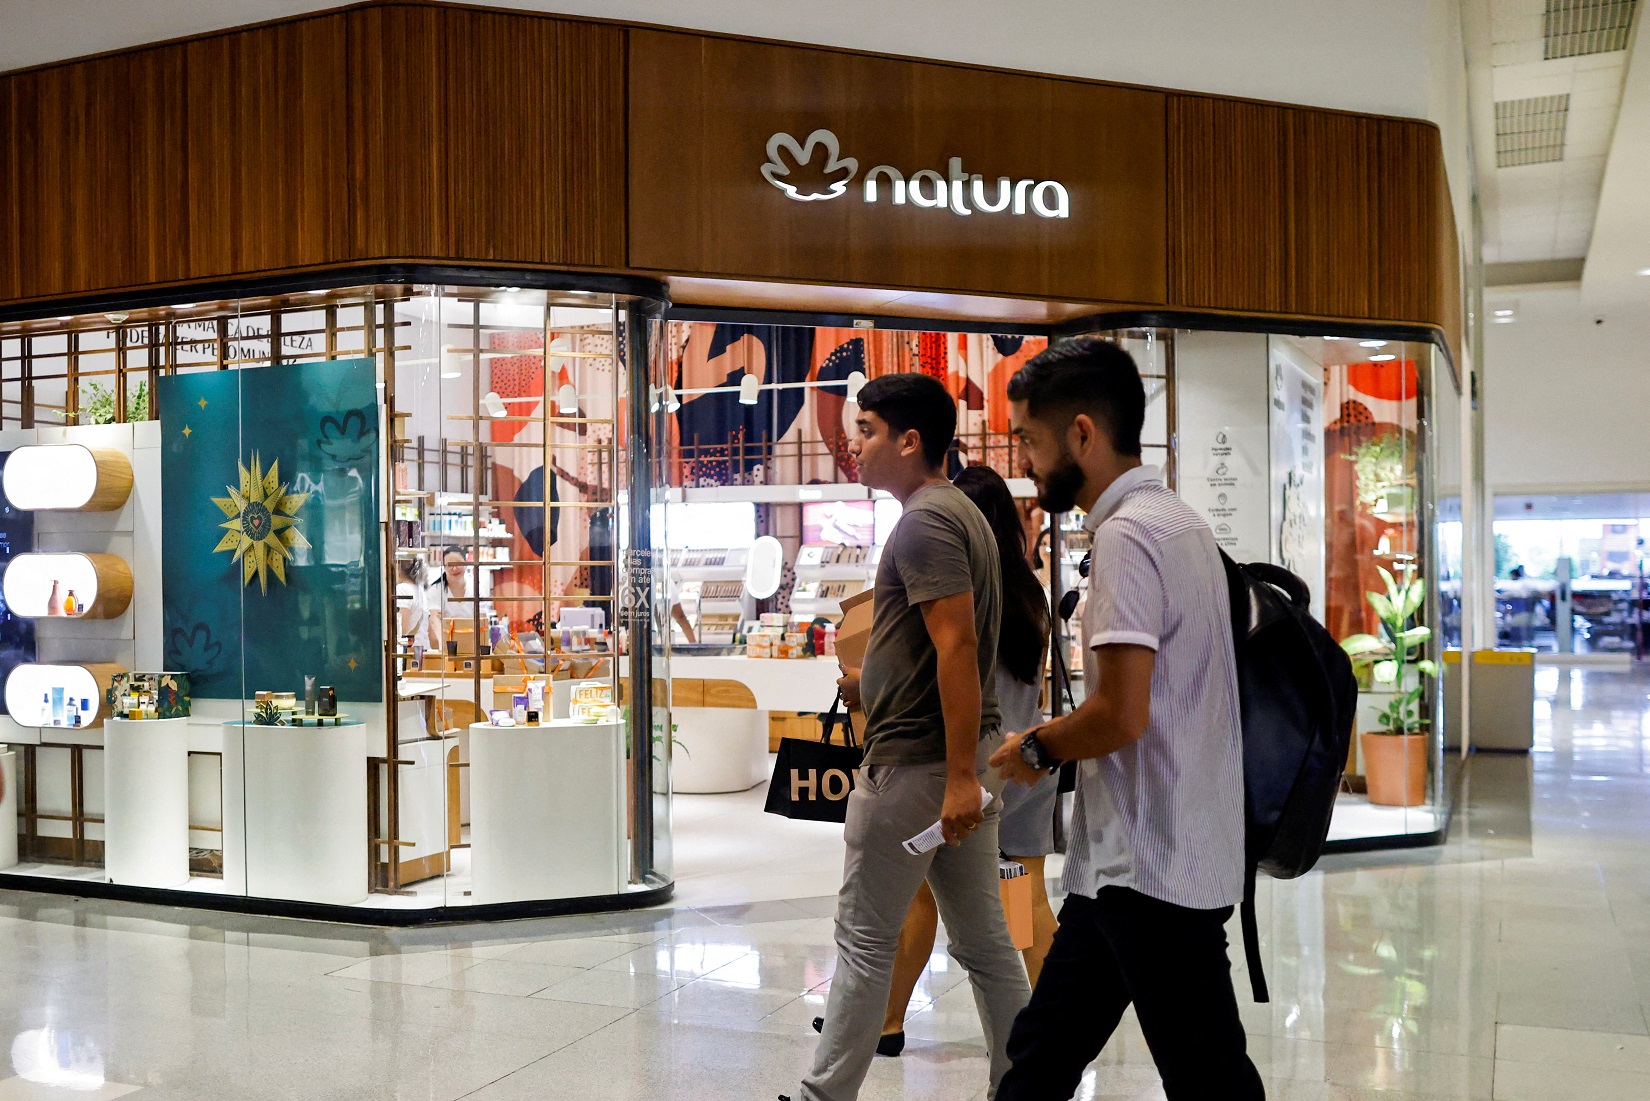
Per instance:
x=511, y=290
x=1382, y=358
x=1644, y=271
x=1503, y=313
x=669, y=400
x=1372, y=344
x=492, y=404
x=749, y=387
x=567, y=399
x=856, y=379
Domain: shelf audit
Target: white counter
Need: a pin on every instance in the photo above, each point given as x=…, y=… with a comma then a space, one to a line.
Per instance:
x=796, y=684
x=297, y=828
x=547, y=809
x=146, y=801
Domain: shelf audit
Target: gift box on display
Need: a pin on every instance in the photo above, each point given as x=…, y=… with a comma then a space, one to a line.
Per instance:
x=170, y=691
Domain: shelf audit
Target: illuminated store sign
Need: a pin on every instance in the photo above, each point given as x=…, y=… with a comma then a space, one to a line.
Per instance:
x=815, y=169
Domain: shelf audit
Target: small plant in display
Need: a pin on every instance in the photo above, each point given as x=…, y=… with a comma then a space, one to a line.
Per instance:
x=99, y=405
x=1377, y=466
x=266, y=713
x=1393, y=655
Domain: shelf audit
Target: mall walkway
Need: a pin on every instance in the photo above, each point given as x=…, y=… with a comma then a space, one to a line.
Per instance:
x=1512, y=963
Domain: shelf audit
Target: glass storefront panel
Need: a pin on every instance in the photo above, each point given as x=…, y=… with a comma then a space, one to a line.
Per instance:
x=361, y=521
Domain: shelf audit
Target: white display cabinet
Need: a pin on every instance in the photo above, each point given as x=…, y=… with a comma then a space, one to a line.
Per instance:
x=38, y=695
x=67, y=477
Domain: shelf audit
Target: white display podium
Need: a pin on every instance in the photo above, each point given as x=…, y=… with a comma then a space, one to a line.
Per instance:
x=146, y=801
x=295, y=812
x=723, y=749
x=546, y=811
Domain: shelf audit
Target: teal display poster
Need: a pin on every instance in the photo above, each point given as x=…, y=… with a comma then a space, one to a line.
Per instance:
x=269, y=539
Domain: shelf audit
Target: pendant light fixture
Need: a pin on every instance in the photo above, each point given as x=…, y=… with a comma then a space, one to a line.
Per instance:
x=748, y=388
x=567, y=399
x=856, y=379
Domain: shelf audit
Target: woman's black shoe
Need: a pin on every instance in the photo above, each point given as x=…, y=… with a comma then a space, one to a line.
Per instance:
x=890, y=1044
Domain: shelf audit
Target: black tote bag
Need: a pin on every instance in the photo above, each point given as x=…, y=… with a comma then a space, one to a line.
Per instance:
x=812, y=780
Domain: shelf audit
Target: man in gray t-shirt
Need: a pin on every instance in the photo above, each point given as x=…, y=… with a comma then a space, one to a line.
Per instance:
x=941, y=547
x=931, y=725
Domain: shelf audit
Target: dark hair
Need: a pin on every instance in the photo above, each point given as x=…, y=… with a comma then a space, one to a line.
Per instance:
x=410, y=569
x=910, y=400
x=1085, y=375
x=1023, y=636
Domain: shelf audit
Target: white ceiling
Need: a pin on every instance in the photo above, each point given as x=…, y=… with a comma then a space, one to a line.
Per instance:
x=1592, y=207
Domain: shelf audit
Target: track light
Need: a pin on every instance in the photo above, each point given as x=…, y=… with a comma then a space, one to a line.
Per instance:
x=856, y=379
x=567, y=399
x=748, y=388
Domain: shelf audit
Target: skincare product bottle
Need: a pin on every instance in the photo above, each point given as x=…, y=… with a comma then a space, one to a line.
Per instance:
x=45, y=708
x=57, y=706
x=54, y=603
x=328, y=701
x=87, y=713
x=535, y=696
x=72, y=713
x=71, y=604
x=309, y=695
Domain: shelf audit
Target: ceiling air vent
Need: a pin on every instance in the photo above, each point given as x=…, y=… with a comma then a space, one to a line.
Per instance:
x=1571, y=28
x=1530, y=131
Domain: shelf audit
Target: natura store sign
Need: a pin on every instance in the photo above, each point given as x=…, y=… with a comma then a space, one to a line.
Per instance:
x=814, y=169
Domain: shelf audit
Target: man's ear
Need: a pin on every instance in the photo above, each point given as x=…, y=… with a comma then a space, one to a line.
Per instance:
x=1081, y=435
x=910, y=442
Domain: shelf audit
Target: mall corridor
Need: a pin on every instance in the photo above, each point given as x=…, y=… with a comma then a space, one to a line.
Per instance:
x=1514, y=963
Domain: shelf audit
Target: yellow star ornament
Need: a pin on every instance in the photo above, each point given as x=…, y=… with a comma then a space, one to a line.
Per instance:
x=263, y=523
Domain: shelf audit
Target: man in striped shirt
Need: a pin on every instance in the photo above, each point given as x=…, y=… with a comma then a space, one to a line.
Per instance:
x=1155, y=863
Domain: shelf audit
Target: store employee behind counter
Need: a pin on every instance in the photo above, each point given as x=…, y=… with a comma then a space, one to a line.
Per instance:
x=1156, y=861
x=931, y=723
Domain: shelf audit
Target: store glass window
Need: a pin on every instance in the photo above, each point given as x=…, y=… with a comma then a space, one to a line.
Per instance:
x=352, y=605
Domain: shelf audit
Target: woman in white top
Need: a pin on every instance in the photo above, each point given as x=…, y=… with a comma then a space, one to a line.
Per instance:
x=410, y=600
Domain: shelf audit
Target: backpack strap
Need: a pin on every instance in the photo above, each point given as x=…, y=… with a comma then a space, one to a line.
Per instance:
x=1251, y=940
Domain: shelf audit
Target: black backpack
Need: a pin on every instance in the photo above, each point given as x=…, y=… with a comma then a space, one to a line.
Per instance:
x=1298, y=699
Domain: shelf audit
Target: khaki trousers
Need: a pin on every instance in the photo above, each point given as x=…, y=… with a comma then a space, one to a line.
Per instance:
x=889, y=804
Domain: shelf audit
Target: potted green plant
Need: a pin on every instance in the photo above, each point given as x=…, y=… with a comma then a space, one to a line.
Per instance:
x=98, y=407
x=1395, y=749
x=1379, y=473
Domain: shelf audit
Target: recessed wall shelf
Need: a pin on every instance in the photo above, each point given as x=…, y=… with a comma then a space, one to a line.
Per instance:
x=33, y=692
x=67, y=477
x=101, y=584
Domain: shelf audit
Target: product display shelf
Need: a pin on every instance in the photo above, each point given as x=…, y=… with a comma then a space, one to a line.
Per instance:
x=99, y=584
x=34, y=689
x=146, y=801
x=826, y=575
x=710, y=587
x=67, y=477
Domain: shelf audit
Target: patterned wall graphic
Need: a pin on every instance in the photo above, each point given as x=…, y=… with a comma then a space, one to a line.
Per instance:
x=801, y=434
x=270, y=556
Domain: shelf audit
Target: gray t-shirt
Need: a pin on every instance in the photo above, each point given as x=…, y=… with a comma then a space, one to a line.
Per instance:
x=942, y=546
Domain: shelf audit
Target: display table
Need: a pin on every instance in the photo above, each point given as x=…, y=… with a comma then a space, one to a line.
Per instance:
x=295, y=812
x=146, y=801
x=8, y=807
x=725, y=747
x=547, y=808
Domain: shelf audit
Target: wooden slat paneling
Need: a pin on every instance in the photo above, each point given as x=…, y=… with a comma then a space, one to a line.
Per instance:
x=1407, y=159
x=11, y=207
x=1229, y=204
x=1335, y=235
x=702, y=109
x=396, y=155
x=534, y=139
x=276, y=196
x=96, y=172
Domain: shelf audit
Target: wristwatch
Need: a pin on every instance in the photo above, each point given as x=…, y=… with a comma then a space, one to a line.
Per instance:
x=1034, y=753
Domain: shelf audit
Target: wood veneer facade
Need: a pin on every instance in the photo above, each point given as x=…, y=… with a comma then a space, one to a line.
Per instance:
x=411, y=131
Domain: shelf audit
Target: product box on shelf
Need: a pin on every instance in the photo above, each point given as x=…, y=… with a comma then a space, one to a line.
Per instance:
x=169, y=691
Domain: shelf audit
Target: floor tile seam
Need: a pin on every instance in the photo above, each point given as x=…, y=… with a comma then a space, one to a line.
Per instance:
x=548, y=1054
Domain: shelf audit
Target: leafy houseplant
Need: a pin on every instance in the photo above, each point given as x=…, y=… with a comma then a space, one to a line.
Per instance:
x=99, y=406
x=1395, y=751
x=1378, y=468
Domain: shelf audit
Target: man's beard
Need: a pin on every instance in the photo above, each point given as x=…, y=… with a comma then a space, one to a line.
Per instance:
x=1059, y=488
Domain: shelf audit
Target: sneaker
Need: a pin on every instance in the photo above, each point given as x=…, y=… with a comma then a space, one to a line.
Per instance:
x=889, y=1044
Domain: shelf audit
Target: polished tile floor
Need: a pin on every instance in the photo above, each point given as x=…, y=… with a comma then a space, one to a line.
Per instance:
x=1513, y=963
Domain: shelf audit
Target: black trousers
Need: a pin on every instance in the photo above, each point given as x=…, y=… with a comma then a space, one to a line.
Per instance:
x=1170, y=962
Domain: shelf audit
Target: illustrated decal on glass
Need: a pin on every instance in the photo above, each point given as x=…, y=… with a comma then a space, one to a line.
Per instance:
x=302, y=441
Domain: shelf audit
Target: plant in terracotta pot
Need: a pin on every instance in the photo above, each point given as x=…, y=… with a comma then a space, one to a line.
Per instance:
x=1395, y=751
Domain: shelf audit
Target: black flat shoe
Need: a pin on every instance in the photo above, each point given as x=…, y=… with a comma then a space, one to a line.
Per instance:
x=889, y=1044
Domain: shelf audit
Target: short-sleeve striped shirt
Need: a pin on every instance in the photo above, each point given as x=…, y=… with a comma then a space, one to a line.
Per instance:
x=1163, y=816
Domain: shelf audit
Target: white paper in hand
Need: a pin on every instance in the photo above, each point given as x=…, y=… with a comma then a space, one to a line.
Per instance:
x=934, y=836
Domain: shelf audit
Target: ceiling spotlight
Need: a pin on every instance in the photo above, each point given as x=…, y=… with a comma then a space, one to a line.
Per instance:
x=1503, y=313
x=1372, y=344
x=492, y=404
x=186, y=305
x=748, y=387
x=68, y=317
x=668, y=399
x=511, y=290
x=116, y=318
x=318, y=290
x=1504, y=320
x=1382, y=358
x=856, y=379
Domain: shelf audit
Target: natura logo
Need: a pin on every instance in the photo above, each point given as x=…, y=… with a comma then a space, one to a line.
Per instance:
x=791, y=167
x=815, y=169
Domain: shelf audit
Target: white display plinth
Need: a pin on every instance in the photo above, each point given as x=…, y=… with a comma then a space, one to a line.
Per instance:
x=146, y=801
x=546, y=811
x=8, y=809
x=295, y=812
x=722, y=749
